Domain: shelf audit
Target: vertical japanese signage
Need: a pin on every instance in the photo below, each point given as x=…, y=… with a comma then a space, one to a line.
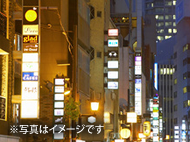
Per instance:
x=58, y=111
x=112, y=44
x=156, y=118
x=156, y=76
x=30, y=60
x=138, y=84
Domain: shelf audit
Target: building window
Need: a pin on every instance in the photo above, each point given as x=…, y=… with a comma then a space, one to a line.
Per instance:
x=175, y=107
x=160, y=31
x=166, y=37
x=185, y=76
x=160, y=24
x=175, y=55
x=185, y=104
x=185, y=47
x=99, y=13
x=174, y=2
x=160, y=37
x=184, y=89
x=174, y=31
x=175, y=120
x=168, y=17
x=159, y=10
x=99, y=54
x=168, y=24
x=175, y=94
x=170, y=31
x=159, y=17
x=174, y=17
x=175, y=68
x=174, y=24
x=91, y=12
x=168, y=3
x=186, y=61
x=175, y=81
x=161, y=71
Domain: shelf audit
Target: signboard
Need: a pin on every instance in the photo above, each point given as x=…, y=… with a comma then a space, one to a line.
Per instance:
x=59, y=81
x=29, y=67
x=112, y=42
x=131, y=117
x=30, y=57
x=112, y=32
x=30, y=15
x=138, y=97
x=59, y=97
x=30, y=76
x=29, y=109
x=113, y=64
x=156, y=76
x=112, y=85
x=146, y=128
x=30, y=48
x=29, y=90
x=58, y=112
x=30, y=29
x=30, y=38
x=112, y=74
x=138, y=65
x=113, y=54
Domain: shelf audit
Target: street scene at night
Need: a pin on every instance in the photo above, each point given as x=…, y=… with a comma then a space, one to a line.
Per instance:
x=94, y=71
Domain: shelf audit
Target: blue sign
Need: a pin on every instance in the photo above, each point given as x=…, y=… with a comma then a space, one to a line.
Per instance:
x=30, y=76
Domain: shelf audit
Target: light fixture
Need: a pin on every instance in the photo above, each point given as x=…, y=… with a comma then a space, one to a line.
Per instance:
x=67, y=92
x=94, y=106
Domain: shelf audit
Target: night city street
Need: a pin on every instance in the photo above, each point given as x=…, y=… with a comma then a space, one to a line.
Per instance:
x=94, y=71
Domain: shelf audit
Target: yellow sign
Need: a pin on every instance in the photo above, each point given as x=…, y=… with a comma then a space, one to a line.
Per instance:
x=125, y=133
x=146, y=128
x=30, y=39
x=31, y=15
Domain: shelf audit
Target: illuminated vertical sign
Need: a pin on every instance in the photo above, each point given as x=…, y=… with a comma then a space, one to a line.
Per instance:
x=58, y=112
x=156, y=118
x=156, y=76
x=138, y=65
x=138, y=97
x=30, y=60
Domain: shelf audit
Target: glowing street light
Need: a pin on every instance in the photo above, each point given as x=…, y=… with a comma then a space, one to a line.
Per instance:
x=94, y=106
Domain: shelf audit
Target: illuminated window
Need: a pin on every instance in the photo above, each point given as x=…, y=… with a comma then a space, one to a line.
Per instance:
x=168, y=3
x=167, y=17
x=175, y=81
x=168, y=24
x=166, y=37
x=152, y=4
x=160, y=24
x=168, y=71
x=160, y=31
x=156, y=16
x=184, y=89
x=160, y=37
x=164, y=70
x=161, y=71
x=174, y=30
x=169, y=30
x=174, y=17
x=171, y=71
x=188, y=102
x=174, y=2
x=174, y=24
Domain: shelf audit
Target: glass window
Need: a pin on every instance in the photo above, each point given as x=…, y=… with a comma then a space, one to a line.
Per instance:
x=160, y=37
x=184, y=89
x=160, y=24
x=166, y=37
x=168, y=71
x=175, y=107
x=168, y=3
x=168, y=24
x=160, y=31
x=175, y=81
x=175, y=94
x=185, y=47
x=174, y=2
x=169, y=30
x=174, y=17
x=174, y=24
x=171, y=71
x=174, y=30
x=152, y=4
x=167, y=17
x=161, y=71
x=160, y=10
x=185, y=104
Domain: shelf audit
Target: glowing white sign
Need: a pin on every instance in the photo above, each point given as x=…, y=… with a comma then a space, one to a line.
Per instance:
x=138, y=97
x=29, y=67
x=59, y=81
x=112, y=85
x=138, y=65
x=156, y=76
x=112, y=32
x=58, y=104
x=112, y=42
x=30, y=57
x=112, y=74
x=58, y=112
x=59, y=97
x=59, y=89
x=30, y=29
x=29, y=109
x=29, y=90
x=112, y=64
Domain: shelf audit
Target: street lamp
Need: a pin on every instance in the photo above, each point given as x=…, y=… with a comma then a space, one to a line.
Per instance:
x=94, y=106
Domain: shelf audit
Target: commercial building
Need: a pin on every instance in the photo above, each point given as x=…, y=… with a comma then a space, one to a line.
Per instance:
x=164, y=12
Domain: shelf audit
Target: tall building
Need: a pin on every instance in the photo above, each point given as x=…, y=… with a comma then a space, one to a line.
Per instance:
x=165, y=86
x=164, y=12
x=181, y=75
